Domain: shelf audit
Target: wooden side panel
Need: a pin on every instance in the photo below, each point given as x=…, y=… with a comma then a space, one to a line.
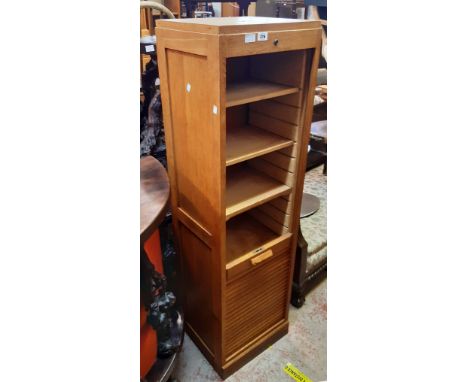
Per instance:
x=305, y=119
x=199, y=285
x=231, y=321
x=194, y=137
x=255, y=302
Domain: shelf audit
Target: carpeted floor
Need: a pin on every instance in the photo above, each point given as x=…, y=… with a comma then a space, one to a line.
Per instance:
x=305, y=346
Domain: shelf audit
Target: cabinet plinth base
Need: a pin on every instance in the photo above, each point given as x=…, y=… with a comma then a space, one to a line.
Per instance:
x=260, y=345
x=253, y=351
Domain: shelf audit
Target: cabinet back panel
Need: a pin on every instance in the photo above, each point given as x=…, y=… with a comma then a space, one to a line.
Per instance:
x=272, y=171
x=276, y=126
x=276, y=214
x=237, y=69
x=284, y=68
x=283, y=112
x=282, y=204
x=266, y=220
x=194, y=135
x=282, y=161
x=236, y=116
x=294, y=99
x=289, y=151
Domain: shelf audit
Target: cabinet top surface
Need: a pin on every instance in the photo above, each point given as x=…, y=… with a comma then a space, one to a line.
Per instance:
x=236, y=24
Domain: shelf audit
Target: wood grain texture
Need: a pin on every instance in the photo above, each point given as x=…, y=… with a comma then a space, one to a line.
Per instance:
x=247, y=188
x=276, y=126
x=244, y=261
x=279, y=111
x=253, y=348
x=255, y=302
x=193, y=189
x=275, y=214
x=272, y=171
x=232, y=25
x=234, y=44
x=197, y=281
x=245, y=235
x=267, y=220
x=192, y=131
x=247, y=142
x=254, y=90
x=235, y=308
x=285, y=68
x=154, y=195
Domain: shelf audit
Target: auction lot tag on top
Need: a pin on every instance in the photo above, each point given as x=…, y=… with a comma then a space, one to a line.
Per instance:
x=295, y=373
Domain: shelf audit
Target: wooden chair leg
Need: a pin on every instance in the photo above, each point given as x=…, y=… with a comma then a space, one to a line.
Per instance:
x=297, y=297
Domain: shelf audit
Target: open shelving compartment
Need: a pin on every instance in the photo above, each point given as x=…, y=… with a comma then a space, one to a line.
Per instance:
x=263, y=112
x=237, y=118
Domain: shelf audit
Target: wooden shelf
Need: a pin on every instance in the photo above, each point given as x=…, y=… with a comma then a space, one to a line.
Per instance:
x=245, y=234
x=240, y=93
x=247, y=188
x=248, y=142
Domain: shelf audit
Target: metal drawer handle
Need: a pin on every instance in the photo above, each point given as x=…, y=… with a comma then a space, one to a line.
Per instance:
x=265, y=255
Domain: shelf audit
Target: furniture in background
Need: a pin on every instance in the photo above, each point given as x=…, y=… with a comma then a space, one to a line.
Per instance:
x=293, y=9
x=311, y=259
x=266, y=8
x=237, y=96
x=149, y=10
x=154, y=202
x=191, y=6
x=317, y=154
x=317, y=10
x=311, y=254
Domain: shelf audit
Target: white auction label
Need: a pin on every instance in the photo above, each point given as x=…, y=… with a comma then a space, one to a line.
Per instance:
x=249, y=37
x=262, y=36
x=149, y=48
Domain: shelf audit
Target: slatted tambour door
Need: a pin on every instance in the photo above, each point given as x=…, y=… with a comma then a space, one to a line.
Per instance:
x=237, y=116
x=255, y=302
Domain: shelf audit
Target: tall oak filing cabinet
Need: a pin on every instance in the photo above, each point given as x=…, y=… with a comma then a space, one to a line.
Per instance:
x=237, y=96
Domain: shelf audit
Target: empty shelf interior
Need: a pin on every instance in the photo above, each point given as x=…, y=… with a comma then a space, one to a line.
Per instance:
x=263, y=76
x=245, y=234
x=247, y=187
x=239, y=93
x=246, y=142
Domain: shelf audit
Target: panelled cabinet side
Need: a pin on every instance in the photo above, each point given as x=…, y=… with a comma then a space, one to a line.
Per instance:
x=235, y=308
x=191, y=97
x=310, y=80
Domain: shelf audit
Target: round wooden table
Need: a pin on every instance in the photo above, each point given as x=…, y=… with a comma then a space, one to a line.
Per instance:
x=154, y=202
x=154, y=195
